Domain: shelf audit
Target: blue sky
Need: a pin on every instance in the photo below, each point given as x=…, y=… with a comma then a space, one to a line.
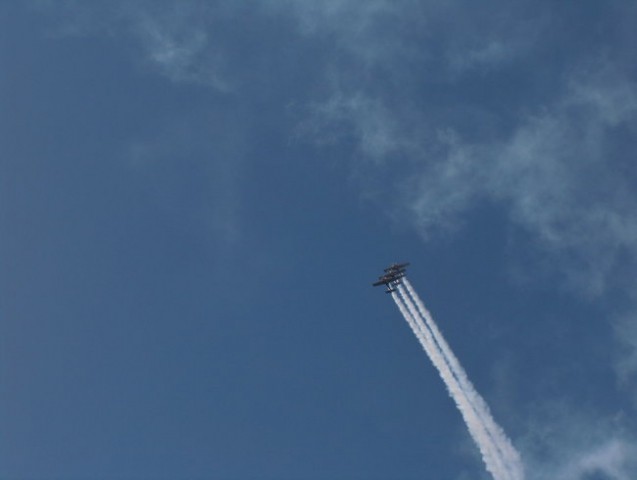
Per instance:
x=196, y=196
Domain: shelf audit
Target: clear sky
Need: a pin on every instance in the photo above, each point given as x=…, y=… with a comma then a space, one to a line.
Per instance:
x=196, y=196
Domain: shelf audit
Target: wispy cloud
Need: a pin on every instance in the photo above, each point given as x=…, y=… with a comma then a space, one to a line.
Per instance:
x=562, y=443
x=179, y=47
x=552, y=167
x=613, y=458
x=174, y=38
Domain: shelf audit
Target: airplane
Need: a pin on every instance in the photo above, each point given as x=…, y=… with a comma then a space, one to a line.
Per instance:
x=396, y=267
x=392, y=277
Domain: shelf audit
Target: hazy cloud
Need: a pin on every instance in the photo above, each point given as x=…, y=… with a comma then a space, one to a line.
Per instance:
x=562, y=443
x=551, y=166
x=180, y=47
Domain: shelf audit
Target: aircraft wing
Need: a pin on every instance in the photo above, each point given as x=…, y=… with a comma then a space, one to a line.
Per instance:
x=389, y=278
x=392, y=276
x=397, y=267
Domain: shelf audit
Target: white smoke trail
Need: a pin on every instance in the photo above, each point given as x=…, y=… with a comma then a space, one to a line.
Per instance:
x=506, y=450
x=489, y=453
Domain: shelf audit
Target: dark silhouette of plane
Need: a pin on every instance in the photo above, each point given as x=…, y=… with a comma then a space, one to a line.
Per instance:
x=391, y=277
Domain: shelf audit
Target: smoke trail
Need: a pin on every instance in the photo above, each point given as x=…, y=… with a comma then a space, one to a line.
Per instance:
x=490, y=456
x=508, y=453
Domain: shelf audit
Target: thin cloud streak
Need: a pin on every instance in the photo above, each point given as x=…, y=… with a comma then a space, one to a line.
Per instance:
x=498, y=437
x=500, y=459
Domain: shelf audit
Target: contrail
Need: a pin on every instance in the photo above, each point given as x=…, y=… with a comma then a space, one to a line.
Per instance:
x=510, y=456
x=490, y=455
